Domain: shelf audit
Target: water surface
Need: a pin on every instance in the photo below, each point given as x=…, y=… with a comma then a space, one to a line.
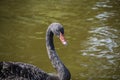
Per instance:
x=92, y=30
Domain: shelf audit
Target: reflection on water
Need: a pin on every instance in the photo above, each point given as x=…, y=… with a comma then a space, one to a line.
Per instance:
x=102, y=4
x=91, y=27
x=104, y=15
x=101, y=46
x=101, y=41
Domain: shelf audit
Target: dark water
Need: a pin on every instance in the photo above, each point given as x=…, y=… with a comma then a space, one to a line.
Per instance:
x=92, y=29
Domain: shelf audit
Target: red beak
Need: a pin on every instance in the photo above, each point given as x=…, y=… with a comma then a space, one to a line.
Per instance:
x=62, y=39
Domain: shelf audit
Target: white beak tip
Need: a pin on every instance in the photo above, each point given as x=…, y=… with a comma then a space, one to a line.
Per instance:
x=65, y=43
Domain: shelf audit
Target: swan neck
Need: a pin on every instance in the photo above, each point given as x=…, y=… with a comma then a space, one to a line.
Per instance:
x=49, y=40
x=62, y=71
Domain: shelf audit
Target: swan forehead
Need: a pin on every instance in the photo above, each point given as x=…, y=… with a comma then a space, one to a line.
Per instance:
x=57, y=27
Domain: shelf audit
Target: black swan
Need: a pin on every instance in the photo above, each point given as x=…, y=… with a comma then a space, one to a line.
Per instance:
x=23, y=71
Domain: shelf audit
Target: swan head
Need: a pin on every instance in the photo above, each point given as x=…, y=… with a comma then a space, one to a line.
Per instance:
x=58, y=30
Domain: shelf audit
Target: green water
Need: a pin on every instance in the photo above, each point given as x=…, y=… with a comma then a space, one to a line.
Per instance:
x=92, y=29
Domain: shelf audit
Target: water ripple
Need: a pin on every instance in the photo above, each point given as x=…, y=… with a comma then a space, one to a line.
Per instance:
x=104, y=15
x=102, y=42
x=102, y=5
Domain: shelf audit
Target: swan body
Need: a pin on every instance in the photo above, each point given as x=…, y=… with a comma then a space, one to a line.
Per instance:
x=24, y=71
